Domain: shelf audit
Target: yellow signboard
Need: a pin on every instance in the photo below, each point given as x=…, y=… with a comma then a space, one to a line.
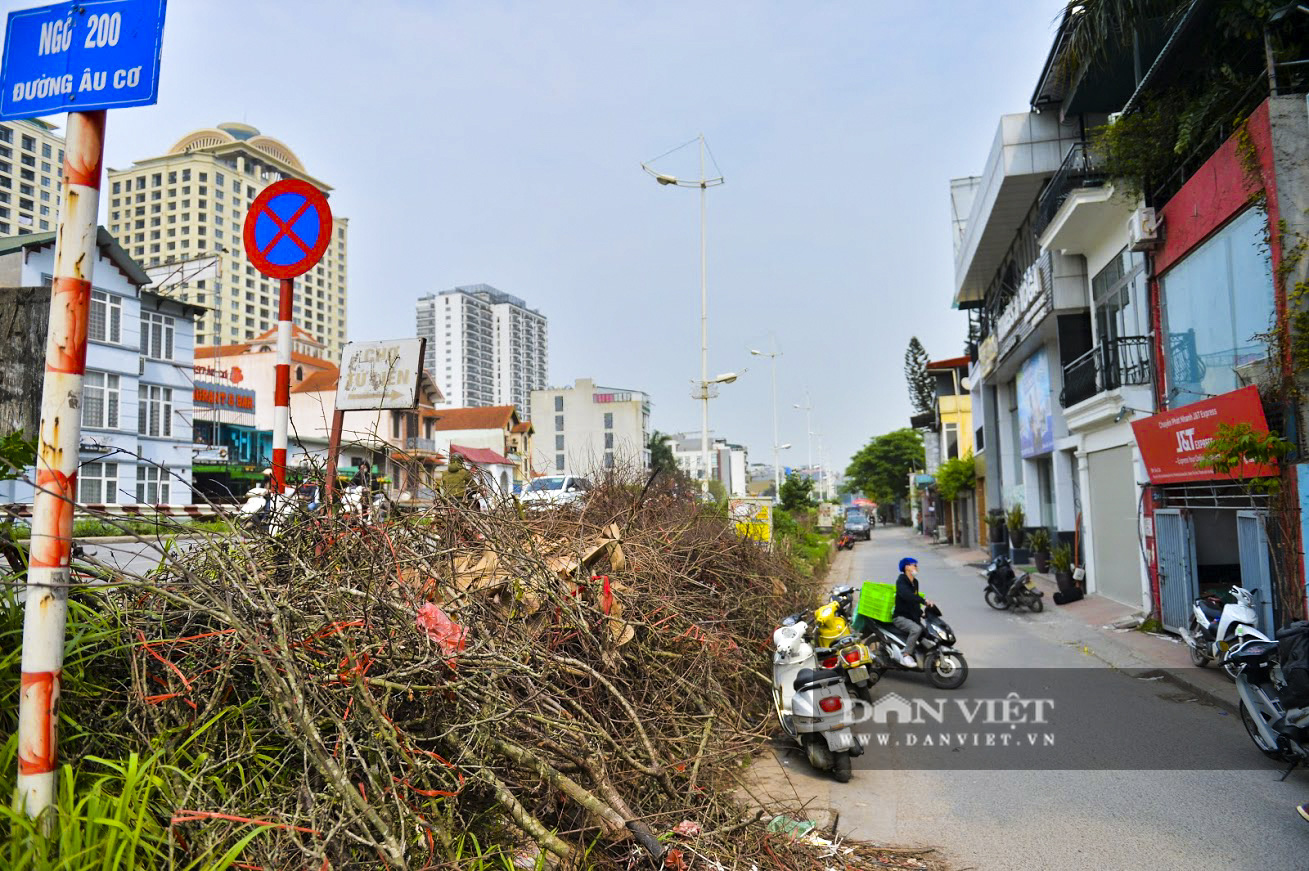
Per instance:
x=753, y=517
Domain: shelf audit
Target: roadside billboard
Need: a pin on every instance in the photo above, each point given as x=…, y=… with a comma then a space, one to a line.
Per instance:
x=753, y=516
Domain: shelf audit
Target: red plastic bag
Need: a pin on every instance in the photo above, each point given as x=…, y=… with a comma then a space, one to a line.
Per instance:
x=445, y=632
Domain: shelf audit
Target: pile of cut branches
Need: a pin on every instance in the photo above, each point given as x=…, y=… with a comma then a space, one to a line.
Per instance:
x=555, y=688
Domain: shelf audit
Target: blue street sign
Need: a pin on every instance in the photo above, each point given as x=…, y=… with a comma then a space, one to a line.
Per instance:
x=78, y=57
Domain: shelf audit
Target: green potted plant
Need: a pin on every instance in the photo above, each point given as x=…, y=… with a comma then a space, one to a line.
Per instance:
x=1018, y=536
x=1062, y=561
x=999, y=538
x=1040, y=544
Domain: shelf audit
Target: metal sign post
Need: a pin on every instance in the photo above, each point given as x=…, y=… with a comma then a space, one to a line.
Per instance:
x=287, y=229
x=87, y=57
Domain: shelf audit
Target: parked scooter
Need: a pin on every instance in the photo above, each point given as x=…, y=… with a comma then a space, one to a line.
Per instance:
x=935, y=652
x=1004, y=590
x=833, y=631
x=845, y=542
x=812, y=703
x=1272, y=680
x=1216, y=628
x=265, y=510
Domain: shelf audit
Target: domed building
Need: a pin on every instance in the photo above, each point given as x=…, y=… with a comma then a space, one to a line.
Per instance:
x=186, y=209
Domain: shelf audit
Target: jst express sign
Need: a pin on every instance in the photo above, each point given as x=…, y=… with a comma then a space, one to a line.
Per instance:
x=1173, y=443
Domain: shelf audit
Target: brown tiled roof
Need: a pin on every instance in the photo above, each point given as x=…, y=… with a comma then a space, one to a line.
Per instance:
x=317, y=381
x=524, y=426
x=489, y=417
x=481, y=456
x=952, y=363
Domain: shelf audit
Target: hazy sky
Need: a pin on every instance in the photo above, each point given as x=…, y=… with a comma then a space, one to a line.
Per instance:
x=501, y=143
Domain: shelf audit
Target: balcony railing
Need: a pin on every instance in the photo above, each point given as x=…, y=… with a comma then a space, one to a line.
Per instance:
x=1080, y=169
x=1107, y=366
x=417, y=444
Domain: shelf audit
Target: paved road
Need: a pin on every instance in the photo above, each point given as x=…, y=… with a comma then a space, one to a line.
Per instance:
x=133, y=557
x=1079, y=817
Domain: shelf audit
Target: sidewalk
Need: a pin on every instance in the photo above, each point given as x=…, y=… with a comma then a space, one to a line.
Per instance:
x=1095, y=616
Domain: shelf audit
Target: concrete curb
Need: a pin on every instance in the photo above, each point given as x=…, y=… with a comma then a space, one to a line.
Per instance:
x=1203, y=692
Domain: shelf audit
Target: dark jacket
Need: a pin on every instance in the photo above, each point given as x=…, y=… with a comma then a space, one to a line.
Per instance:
x=907, y=601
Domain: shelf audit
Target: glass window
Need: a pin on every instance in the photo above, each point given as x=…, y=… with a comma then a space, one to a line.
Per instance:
x=559, y=423
x=100, y=401
x=951, y=441
x=1216, y=303
x=609, y=420
x=559, y=403
x=157, y=335
x=609, y=441
x=105, y=323
x=151, y=485
x=559, y=462
x=559, y=443
x=97, y=483
x=1119, y=292
x=154, y=412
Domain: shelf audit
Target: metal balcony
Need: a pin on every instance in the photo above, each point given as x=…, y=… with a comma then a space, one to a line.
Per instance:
x=1080, y=169
x=1108, y=366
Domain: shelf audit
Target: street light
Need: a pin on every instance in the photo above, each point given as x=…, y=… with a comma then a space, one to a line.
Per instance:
x=703, y=183
x=808, y=408
x=772, y=359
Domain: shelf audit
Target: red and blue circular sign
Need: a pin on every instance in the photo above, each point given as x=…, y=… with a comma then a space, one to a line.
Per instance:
x=287, y=229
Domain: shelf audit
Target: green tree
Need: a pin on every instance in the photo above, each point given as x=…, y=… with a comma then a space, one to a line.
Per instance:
x=881, y=468
x=797, y=492
x=922, y=389
x=661, y=453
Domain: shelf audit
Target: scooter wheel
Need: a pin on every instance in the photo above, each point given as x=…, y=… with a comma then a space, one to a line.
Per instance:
x=1247, y=720
x=996, y=601
x=1198, y=659
x=841, y=767
x=1036, y=604
x=946, y=671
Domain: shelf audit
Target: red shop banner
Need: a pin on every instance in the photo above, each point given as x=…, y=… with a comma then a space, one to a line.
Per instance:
x=1172, y=443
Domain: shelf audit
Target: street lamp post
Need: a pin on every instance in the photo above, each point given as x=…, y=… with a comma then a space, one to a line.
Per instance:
x=703, y=183
x=808, y=409
x=777, y=473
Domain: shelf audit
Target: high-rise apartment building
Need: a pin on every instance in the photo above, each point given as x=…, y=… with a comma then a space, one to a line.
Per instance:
x=484, y=347
x=31, y=165
x=188, y=206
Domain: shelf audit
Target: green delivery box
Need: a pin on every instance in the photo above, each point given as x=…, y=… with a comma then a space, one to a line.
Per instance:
x=877, y=601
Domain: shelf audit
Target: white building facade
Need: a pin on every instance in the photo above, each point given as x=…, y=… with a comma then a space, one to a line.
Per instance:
x=484, y=347
x=136, y=445
x=586, y=428
x=728, y=462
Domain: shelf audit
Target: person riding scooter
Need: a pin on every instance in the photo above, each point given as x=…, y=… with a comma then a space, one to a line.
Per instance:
x=908, y=614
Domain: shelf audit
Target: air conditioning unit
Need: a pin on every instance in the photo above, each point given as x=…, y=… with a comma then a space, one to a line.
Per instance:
x=1142, y=230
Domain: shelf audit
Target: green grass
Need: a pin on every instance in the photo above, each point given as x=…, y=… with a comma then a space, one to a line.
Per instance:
x=93, y=527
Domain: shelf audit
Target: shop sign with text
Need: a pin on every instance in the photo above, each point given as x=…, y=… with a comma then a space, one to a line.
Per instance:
x=1173, y=442
x=226, y=398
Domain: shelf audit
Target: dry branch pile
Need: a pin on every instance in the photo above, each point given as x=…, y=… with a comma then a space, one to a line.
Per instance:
x=546, y=690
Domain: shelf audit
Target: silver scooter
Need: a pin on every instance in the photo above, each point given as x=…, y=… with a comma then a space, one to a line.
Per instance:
x=1280, y=732
x=813, y=704
x=1216, y=628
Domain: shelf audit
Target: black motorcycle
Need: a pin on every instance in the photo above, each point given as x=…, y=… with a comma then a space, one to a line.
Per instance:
x=1005, y=590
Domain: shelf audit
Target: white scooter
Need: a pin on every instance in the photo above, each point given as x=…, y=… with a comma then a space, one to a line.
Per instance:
x=812, y=703
x=1217, y=628
x=264, y=510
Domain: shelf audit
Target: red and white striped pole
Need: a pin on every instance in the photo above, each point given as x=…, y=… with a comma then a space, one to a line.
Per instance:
x=282, y=384
x=45, y=618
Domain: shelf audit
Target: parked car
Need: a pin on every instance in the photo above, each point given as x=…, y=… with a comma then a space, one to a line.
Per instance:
x=555, y=490
x=857, y=525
